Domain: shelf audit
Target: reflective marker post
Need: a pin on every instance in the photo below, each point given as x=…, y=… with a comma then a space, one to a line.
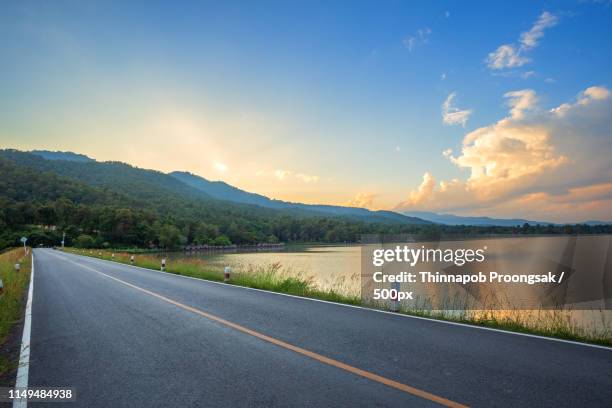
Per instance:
x=163, y=264
x=226, y=274
x=132, y=259
x=395, y=304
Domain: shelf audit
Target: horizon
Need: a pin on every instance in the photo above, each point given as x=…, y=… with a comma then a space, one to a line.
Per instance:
x=413, y=213
x=497, y=110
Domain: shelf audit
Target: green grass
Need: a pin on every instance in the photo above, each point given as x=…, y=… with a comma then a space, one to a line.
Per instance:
x=11, y=301
x=550, y=323
x=268, y=277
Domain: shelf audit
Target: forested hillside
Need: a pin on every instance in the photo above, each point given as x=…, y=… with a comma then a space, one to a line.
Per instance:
x=117, y=205
x=114, y=204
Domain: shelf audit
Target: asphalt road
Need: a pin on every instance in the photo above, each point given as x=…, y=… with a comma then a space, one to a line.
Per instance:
x=122, y=336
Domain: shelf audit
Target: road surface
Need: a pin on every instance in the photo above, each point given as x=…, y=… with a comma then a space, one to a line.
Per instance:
x=122, y=336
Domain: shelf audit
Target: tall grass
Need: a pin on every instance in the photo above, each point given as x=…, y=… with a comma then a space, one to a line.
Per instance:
x=590, y=326
x=12, y=300
x=267, y=277
x=552, y=323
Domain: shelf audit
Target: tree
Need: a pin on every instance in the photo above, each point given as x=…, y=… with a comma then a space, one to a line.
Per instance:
x=170, y=237
x=205, y=233
x=222, y=240
x=84, y=241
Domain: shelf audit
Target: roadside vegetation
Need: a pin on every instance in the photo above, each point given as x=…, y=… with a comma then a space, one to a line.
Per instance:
x=268, y=277
x=590, y=326
x=12, y=300
x=564, y=324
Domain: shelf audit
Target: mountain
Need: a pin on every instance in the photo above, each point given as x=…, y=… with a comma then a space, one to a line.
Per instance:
x=116, y=204
x=113, y=204
x=69, y=156
x=450, y=219
x=224, y=191
x=153, y=185
x=597, y=222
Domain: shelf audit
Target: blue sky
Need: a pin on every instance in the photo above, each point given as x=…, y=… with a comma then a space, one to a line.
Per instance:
x=333, y=102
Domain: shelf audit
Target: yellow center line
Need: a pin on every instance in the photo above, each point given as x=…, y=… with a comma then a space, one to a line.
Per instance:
x=326, y=360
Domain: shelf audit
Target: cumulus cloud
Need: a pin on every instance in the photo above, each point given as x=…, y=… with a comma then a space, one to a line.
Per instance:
x=513, y=55
x=589, y=95
x=533, y=160
x=420, y=38
x=451, y=115
x=363, y=200
x=424, y=191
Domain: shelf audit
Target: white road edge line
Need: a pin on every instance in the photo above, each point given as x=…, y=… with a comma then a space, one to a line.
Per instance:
x=24, y=355
x=471, y=326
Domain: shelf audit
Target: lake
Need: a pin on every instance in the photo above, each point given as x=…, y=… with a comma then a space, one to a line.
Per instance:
x=327, y=266
x=338, y=267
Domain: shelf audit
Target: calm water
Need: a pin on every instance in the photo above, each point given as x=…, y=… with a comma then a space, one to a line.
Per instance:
x=339, y=267
x=328, y=267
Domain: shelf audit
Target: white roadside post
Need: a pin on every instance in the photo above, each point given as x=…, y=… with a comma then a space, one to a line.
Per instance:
x=113, y=256
x=395, y=304
x=17, y=266
x=23, y=241
x=132, y=259
x=226, y=274
x=1, y=287
x=63, y=239
x=163, y=264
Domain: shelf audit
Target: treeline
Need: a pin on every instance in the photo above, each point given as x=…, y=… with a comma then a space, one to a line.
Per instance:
x=43, y=206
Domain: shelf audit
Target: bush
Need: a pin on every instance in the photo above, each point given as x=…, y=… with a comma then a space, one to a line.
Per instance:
x=84, y=241
x=222, y=240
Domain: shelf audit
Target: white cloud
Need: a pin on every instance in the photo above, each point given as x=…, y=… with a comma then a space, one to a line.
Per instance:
x=424, y=191
x=589, y=95
x=362, y=200
x=420, y=38
x=530, y=38
x=506, y=56
x=593, y=93
x=520, y=102
x=534, y=161
x=443, y=76
x=286, y=174
x=282, y=174
x=307, y=178
x=451, y=115
x=512, y=55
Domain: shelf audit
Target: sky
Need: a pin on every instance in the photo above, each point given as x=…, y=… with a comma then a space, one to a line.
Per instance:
x=472, y=108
